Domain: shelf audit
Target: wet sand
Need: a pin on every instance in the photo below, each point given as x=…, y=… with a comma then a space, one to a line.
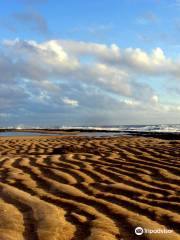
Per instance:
x=62, y=188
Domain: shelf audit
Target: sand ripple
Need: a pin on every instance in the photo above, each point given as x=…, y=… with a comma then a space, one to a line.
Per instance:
x=62, y=188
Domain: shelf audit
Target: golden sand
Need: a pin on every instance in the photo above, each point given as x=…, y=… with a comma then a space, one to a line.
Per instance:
x=62, y=188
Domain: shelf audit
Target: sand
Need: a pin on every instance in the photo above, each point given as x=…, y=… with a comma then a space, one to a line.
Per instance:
x=62, y=188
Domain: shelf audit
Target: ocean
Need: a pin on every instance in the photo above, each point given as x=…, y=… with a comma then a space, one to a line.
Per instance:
x=97, y=131
x=167, y=128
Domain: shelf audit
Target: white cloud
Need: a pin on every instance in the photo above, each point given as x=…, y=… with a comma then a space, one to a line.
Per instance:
x=155, y=99
x=136, y=59
x=48, y=76
x=71, y=102
x=100, y=51
x=131, y=103
x=50, y=59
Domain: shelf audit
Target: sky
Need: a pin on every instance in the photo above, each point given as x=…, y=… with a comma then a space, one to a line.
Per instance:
x=98, y=62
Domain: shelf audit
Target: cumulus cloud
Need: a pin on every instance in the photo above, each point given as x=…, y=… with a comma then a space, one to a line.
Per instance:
x=100, y=51
x=71, y=77
x=51, y=60
x=135, y=59
x=71, y=102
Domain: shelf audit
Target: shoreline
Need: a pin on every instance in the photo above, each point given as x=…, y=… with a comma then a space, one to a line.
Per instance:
x=77, y=132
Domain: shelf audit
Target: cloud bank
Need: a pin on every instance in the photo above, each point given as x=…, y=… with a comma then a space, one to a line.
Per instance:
x=73, y=82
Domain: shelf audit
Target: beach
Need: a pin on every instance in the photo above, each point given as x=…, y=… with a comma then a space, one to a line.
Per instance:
x=93, y=188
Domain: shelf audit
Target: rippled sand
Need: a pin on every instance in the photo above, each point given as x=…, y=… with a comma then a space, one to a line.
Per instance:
x=62, y=188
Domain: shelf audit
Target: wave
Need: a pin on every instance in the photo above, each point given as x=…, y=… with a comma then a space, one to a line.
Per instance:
x=167, y=128
x=157, y=128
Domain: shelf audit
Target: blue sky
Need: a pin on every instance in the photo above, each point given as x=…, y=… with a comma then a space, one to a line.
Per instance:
x=89, y=62
x=144, y=23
